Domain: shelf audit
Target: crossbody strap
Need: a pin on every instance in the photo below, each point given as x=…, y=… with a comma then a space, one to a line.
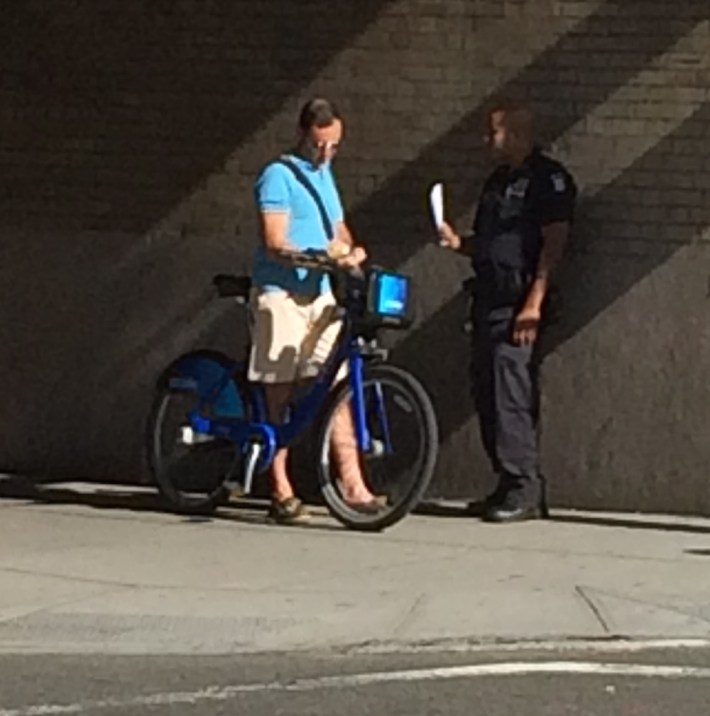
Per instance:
x=303, y=179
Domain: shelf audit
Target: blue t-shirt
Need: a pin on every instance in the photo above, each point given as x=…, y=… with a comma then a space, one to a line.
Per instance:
x=277, y=189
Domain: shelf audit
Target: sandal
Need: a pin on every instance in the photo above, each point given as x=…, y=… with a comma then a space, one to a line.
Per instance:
x=290, y=511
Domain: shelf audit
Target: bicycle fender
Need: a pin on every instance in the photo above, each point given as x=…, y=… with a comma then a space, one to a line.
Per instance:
x=209, y=376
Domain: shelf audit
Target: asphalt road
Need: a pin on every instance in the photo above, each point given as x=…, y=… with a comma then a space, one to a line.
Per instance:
x=491, y=683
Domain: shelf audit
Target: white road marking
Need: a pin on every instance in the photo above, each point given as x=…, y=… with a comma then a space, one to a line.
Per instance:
x=601, y=646
x=225, y=693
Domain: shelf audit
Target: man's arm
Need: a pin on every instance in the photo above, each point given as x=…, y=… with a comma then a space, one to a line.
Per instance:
x=343, y=246
x=342, y=243
x=343, y=234
x=462, y=244
x=274, y=230
x=554, y=241
x=558, y=193
x=273, y=201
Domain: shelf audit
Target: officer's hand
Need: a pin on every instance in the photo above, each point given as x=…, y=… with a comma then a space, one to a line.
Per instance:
x=525, y=327
x=448, y=237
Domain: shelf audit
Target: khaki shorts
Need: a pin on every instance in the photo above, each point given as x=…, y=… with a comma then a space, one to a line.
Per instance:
x=292, y=336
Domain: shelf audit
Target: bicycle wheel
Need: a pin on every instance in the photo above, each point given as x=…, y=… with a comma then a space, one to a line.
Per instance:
x=189, y=469
x=405, y=443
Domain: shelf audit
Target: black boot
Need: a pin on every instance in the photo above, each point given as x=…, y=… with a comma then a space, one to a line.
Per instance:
x=522, y=501
x=478, y=508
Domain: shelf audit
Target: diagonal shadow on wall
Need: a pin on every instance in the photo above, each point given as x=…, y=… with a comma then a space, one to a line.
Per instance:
x=617, y=43
x=119, y=109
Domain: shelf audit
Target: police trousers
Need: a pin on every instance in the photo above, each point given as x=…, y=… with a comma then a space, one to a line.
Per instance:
x=506, y=394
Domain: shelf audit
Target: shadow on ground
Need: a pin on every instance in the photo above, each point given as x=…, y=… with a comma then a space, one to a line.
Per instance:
x=243, y=511
x=462, y=510
x=253, y=510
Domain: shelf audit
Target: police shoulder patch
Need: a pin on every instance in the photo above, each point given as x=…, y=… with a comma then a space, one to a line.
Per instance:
x=559, y=182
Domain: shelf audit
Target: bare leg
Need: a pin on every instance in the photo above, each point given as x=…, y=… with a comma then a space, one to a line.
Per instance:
x=347, y=458
x=277, y=398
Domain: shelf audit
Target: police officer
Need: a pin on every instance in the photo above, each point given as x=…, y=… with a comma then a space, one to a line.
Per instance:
x=519, y=234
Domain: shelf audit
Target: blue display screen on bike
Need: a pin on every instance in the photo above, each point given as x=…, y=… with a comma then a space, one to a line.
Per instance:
x=392, y=295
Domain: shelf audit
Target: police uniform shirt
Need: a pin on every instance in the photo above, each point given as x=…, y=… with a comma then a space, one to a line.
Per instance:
x=516, y=203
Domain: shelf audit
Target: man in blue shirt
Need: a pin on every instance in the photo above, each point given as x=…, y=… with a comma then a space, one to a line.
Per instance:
x=294, y=328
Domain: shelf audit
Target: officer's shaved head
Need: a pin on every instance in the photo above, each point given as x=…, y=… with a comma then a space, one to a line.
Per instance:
x=517, y=117
x=510, y=129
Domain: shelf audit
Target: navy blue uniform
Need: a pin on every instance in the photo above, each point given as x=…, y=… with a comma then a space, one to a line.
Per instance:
x=516, y=203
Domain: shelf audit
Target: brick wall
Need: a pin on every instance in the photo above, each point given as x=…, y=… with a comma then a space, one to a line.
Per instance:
x=129, y=140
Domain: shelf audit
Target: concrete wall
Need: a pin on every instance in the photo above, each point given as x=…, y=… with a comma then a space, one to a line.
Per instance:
x=129, y=139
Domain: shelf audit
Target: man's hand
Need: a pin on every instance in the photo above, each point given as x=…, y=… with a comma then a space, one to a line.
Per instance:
x=343, y=250
x=448, y=237
x=352, y=260
x=338, y=248
x=525, y=326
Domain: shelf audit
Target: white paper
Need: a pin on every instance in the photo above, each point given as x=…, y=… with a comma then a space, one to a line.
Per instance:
x=436, y=202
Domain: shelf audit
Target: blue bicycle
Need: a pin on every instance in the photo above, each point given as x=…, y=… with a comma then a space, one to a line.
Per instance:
x=209, y=435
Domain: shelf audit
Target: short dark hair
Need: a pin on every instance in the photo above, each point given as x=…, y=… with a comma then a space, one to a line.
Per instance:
x=317, y=112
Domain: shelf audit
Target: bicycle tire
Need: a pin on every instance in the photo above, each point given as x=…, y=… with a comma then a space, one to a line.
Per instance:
x=413, y=393
x=222, y=454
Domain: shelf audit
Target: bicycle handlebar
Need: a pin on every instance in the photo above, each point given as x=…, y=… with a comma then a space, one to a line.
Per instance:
x=315, y=259
x=356, y=290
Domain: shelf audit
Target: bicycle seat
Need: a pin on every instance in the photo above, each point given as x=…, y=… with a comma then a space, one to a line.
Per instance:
x=229, y=286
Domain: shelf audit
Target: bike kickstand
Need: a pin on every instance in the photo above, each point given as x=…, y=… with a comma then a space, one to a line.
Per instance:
x=253, y=455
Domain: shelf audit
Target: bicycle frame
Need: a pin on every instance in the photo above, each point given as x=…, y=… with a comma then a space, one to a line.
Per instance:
x=271, y=437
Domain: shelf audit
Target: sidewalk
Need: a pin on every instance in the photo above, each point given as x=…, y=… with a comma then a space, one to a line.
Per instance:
x=85, y=568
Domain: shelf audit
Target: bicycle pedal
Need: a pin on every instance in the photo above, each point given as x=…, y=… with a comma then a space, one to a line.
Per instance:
x=188, y=436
